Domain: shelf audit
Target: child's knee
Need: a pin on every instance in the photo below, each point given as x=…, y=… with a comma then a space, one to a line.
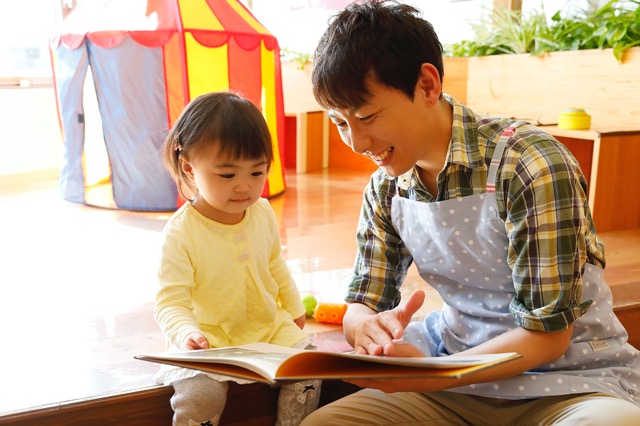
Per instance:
x=199, y=399
x=296, y=401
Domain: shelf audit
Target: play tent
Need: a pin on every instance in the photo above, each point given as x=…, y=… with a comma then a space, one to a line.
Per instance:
x=148, y=59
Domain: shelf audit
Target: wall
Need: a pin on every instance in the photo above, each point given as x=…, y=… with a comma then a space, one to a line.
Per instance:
x=30, y=139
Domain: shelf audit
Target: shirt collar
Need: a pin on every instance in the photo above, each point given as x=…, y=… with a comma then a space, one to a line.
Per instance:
x=463, y=147
x=405, y=181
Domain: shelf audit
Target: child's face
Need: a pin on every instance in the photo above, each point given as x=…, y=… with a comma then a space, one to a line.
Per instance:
x=226, y=186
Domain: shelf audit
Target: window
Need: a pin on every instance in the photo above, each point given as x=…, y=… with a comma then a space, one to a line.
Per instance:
x=25, y=27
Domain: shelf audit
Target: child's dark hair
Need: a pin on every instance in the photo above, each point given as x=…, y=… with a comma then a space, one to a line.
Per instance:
x=386, y=40
x=224, y=120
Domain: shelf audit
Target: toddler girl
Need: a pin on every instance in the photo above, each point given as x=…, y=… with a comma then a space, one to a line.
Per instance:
x=223, y=278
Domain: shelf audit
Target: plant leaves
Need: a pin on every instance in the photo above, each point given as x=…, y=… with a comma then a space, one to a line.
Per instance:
x=615, y=25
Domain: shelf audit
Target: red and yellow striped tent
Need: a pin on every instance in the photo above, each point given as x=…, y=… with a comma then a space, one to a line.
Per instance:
x=148, y=59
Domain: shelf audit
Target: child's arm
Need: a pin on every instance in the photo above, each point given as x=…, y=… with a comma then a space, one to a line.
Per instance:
x=173, y=304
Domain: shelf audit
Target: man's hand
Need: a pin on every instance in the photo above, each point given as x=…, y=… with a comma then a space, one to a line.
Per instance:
x=195, y=341
x=374, y=333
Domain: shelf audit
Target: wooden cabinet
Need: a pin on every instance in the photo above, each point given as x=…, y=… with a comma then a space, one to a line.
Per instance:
x=610, y=160
x=306, y=123
x=307, y=141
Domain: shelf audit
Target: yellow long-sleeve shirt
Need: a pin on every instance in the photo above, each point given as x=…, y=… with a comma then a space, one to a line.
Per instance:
x=229, y=282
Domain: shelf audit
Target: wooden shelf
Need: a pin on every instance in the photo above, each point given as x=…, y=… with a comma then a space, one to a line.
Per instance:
x=610, y=161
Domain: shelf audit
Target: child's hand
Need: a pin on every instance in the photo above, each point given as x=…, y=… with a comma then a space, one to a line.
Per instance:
x=300, y=321
x=195, y=341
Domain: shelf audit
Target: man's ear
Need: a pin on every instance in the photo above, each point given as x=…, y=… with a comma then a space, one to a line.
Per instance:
x=186, y=166
x=429, y=86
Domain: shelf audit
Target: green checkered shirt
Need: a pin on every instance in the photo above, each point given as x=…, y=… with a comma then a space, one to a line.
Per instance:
x=542, y=198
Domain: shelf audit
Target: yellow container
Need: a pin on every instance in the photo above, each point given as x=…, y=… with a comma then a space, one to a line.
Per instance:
x=574, y=119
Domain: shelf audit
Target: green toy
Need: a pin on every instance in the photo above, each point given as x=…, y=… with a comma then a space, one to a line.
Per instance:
x=309, y=301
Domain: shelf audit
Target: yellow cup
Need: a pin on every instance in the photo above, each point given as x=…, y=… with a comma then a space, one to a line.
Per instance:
x=574, y=119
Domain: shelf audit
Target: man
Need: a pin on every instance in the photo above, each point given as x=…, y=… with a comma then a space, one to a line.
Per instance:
x=494, y=213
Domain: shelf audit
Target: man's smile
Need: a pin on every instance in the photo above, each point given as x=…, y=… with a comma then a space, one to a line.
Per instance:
x=381, y=157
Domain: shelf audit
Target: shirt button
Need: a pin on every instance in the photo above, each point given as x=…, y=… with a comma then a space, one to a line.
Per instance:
x=243, y=256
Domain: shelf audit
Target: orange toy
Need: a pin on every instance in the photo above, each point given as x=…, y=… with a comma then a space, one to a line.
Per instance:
x=330, y=312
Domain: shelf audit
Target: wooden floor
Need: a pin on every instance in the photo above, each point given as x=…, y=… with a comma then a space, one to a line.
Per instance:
x=78, y=282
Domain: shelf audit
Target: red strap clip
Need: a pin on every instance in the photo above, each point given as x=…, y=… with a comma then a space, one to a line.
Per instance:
x=508, y=131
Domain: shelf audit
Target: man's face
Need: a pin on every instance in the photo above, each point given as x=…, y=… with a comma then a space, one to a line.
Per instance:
x=390, y=129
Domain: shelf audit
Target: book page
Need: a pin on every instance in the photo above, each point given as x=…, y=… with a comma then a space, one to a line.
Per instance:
x=273, y=362
x=261, y=358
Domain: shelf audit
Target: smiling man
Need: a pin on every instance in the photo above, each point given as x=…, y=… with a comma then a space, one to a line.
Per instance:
x=494, y=214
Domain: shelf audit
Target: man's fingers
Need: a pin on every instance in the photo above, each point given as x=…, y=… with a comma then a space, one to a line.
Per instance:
x=376, y=336
x=408, y=309
x=373, y=336
x=406, y=350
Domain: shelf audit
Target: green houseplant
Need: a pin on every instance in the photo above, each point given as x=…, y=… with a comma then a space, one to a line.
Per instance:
x=301, y=59
x=614, y=25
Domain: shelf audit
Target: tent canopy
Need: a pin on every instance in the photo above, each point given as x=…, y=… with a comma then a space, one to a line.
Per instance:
x=148, y=59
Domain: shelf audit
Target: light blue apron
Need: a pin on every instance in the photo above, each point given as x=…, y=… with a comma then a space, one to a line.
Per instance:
x=460, y=248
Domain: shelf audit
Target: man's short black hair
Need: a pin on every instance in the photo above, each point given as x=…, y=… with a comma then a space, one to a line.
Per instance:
x=385, y=40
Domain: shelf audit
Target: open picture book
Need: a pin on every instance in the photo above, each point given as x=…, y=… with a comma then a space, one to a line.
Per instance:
x=271, y=364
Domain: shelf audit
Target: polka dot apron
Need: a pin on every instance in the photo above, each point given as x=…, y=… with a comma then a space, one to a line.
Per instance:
x=460, y=248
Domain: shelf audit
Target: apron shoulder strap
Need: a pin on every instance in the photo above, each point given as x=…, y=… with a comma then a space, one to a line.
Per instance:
x=496, y=158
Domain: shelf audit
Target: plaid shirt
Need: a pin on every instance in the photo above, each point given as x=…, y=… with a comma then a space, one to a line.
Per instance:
x=541, y=195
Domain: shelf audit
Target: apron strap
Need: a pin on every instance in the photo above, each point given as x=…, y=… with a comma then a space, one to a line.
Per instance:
x=496, y=159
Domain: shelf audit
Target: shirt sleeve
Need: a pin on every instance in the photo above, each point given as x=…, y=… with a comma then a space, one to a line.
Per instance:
x=547, y=221
x=173, y=302
x=382, y=260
